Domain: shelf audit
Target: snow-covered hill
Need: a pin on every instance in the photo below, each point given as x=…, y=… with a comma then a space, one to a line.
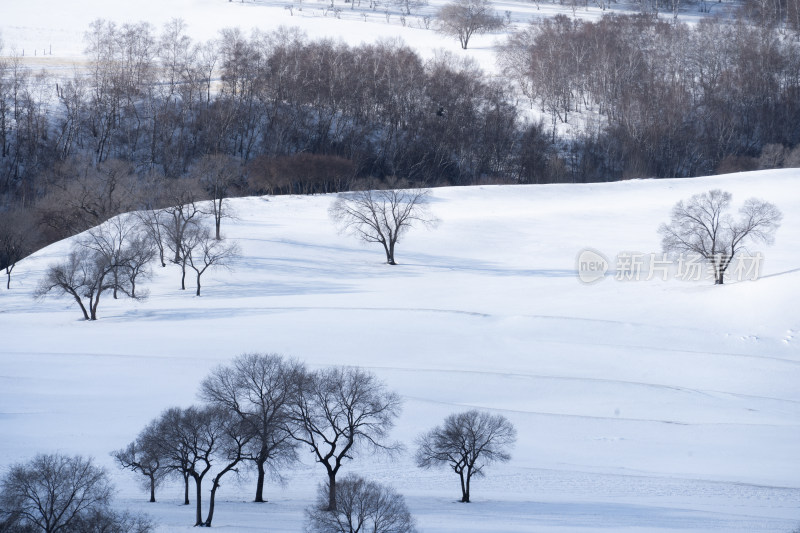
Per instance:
x=50, y=33
x=640, y=406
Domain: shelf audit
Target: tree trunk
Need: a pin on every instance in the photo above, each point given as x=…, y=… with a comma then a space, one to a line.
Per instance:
x=390, y=253
x=331, y=491
x=152, y=488
x=198, y=285
x=93, y=303
x=199, y=493
x=211, y=498
x=83, y=308
x=183, y=277
x=185, y=489
x=260, y=482
x=464, y=489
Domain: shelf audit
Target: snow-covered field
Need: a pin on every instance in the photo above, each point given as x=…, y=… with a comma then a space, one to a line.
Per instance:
x=50, y=33
x=640, y=406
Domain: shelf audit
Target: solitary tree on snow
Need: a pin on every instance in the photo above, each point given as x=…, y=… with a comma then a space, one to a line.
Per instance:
x=702, y=226
x=382, y=216
x=467, y=442
x=465, y=18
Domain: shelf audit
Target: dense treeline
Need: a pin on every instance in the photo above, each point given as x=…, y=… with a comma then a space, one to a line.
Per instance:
x=674, y=100
x=291, y=115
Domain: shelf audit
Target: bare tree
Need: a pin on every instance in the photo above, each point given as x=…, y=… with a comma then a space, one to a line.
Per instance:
x=54, y=493
x=382, y=216
x=467, y=442
x=191, y=438
x=122, y=246
x=18, y=239
x=258, y=390
x=465, y=18
x=337, y=411
x=203, y=252
x=361, y=506
x=143, y=456
x=408, y=5
x=109, y=257
x=218, y=174
x=234, y=443
x=84, y=275
x=702, y=226
x=174, y=451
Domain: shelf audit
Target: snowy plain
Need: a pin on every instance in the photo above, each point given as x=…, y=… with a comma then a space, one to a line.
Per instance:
x=50, y=33
x=660, y=406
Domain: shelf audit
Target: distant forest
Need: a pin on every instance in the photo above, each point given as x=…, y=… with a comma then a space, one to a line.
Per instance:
x=277, y=113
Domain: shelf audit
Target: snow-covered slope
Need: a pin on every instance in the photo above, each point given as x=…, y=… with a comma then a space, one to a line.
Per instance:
x=50, y=33
x=643, y=406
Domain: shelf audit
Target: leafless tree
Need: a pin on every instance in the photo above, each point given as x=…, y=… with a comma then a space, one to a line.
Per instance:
x=201, y=251
x=111, y=256
x=361, y=505
x=143, y=456
x=190, y=438
x=180, y=223
x=172, y=448
x=234, y=442
x=702, y=226
x=382, y=216
x=75, y=277
x=339, y=410
x=57, y=493
x=258, y=390
x=467, y=442
x=18, y=239
x=465, y=18
x=121, y=245
x=408, y=5
x=218, y=174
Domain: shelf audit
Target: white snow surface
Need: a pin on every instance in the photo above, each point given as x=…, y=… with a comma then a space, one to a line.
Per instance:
x=640, y=406
x=50, y=34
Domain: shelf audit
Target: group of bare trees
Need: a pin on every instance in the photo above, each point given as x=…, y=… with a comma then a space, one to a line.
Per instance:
x=116, y=254
x=674, y=100
x=261, y=410
x=293, y=115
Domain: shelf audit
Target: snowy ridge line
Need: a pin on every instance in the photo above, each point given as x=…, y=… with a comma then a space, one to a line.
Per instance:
x=705, y=392
x=595, y=417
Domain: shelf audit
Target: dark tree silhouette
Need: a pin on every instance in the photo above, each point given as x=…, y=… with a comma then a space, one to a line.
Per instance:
x=143, y=456
x=258, y=390
x=337, y=411
x=382, y=216
x=361, y=505
x=467, y=442
x=57, y=493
